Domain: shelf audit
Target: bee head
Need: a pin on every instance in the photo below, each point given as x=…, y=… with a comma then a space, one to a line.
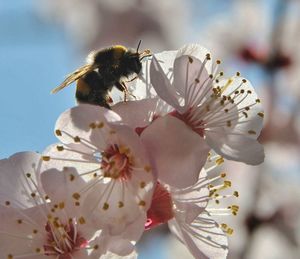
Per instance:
x=133, y=63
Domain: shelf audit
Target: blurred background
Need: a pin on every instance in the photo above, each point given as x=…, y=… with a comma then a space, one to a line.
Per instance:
x=43, y=40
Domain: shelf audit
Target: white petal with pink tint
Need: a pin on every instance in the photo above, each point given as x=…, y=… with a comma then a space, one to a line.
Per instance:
x=177, y=151
x=113, y=162
x=203, y=237
x=34, y=226
x=209, y=103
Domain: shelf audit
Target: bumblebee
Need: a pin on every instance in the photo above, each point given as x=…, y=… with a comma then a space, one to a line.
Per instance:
x=106, y=68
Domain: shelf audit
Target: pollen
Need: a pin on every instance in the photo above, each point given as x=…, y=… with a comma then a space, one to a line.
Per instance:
x=147, y=168
x=261, y=114
x=61, y=205
x=219, y=161
x=190, y=59
x=236, y=194
x=245, y=114
x=76, y=196
x=252, y=132
x=229, y=231
x=10, y=256
x=121, y=204
x=93, y=125
x=71, y=177
x=142, y=203
x=142, y=185
x=81, y=220
x=105, y=206
x=59, y=148
x=227, y=183
x=38, y=250
x=58, y=132
x=46, y=158
x=76, y=139
x=100, y=125
x=7, y=203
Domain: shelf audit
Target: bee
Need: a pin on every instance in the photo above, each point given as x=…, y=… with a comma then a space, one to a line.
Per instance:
x=106, y=68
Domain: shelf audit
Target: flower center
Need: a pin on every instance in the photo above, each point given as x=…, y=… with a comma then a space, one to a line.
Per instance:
x=63, y=239
x=116, y=162
x=161, y=207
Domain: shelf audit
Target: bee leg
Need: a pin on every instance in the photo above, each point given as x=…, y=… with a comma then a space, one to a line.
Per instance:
x=127, y=92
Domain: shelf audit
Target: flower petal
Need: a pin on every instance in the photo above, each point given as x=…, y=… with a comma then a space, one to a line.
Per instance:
x=162, y=85
x=191, y=68
x=178, y=152
x=18, y=174
x=80, y=120
x=137, y=113
x=204, y=238
x=141, y=87
x=246, y=105
x=236, y=147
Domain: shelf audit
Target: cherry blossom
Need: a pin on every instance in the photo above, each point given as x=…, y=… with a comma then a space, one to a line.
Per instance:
x=226, y=112
x=114, y=164
x=190, y=213
x=38, y=224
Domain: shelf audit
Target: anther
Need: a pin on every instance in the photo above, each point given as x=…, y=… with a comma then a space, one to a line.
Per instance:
x=252, y=132
x=100, y=125
x=59, y=148
x=76, y=139
x=142, y=203
x=105, y=206
x=147, y=168
x=58, y=132
x=76, y=196
x=81, y=220
x=219, y=161
x=261, y=114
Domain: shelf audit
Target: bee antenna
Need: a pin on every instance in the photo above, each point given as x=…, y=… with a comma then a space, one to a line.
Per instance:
x=137, y=49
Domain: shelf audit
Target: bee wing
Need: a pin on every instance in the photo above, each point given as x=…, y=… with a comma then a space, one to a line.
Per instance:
x=74, y=76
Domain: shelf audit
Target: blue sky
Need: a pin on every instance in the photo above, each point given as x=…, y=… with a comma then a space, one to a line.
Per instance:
x=34, y=57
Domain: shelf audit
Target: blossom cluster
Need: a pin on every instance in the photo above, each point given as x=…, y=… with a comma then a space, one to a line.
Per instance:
x=118, y=172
